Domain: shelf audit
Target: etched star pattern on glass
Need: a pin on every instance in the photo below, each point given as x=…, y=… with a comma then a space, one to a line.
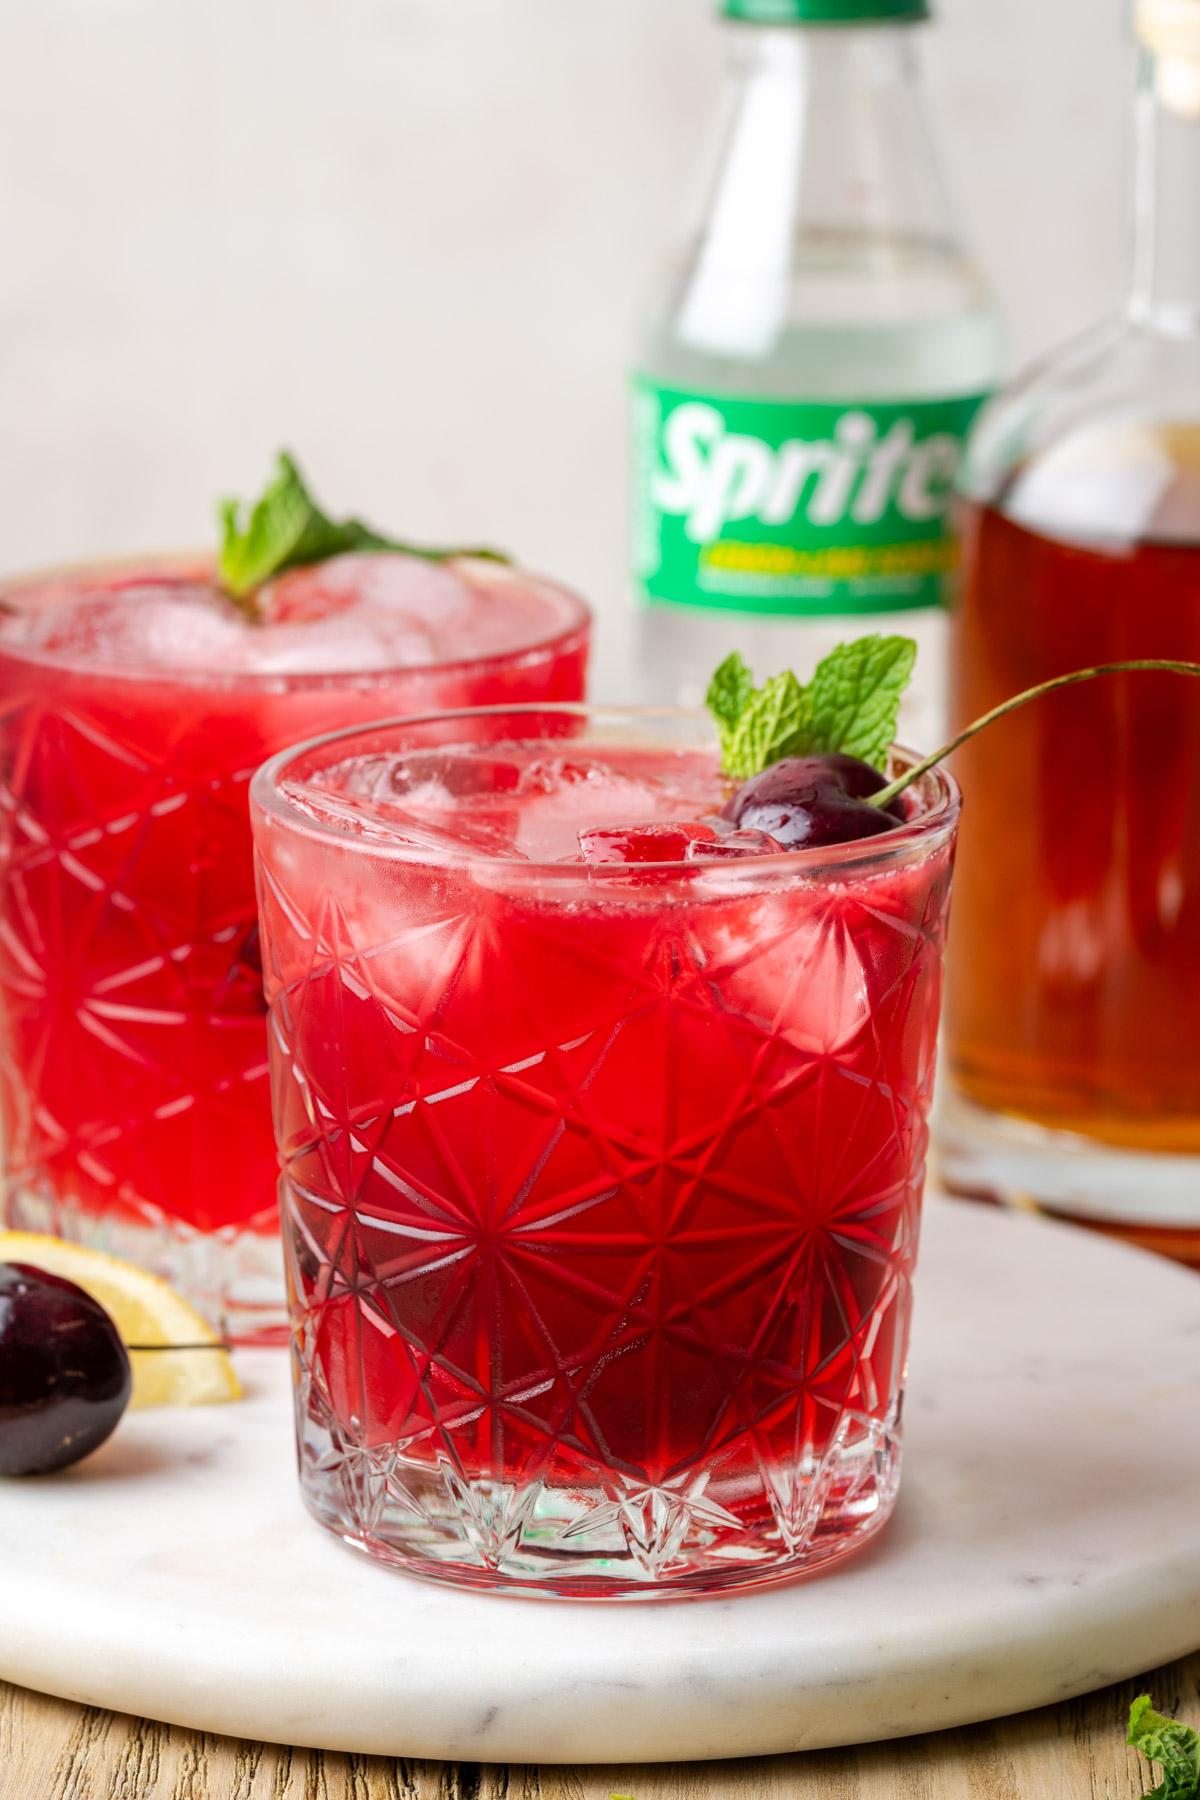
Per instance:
x=134, y=1061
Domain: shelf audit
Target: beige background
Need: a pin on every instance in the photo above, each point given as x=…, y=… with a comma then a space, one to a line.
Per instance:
x=408, y=238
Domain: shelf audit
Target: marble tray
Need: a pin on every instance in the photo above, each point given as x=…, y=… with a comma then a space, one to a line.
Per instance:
x=1047, y=1541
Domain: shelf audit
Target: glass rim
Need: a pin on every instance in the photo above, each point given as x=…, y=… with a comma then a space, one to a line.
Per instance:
x=200, y=565
x=936, y=823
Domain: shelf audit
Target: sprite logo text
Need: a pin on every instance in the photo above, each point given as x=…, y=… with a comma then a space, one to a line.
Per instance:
x=713, y=475
x=770, y=506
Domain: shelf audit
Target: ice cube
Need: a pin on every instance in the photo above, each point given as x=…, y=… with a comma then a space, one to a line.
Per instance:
x=366, y=816
x=170, y=624
x=357, y=640
x=383, y=583
x=659, y=841
x=730, y=844
x=460, y=775
x=549, y=774
x=791, y=960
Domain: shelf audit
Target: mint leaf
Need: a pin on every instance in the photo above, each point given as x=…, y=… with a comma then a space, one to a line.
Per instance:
x=775, y=722
x=274, y=530
x=855, y=696
x=728, y=696
x=286, y=529
x=1174, y=1746
x=729, y=690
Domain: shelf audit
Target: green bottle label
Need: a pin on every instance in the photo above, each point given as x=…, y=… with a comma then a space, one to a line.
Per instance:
x=792, y=507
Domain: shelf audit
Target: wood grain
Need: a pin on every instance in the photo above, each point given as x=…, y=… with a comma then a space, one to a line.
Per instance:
x=55, y=1750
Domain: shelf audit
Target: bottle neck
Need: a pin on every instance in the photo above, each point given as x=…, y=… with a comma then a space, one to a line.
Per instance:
x=1166, y=279
x=824, y=175
x=837, y=115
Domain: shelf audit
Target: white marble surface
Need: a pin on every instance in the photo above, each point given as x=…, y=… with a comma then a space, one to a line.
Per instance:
x=1047, y=1541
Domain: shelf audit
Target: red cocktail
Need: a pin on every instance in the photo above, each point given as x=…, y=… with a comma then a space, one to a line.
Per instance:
x=134, y=707
x=601, y=1174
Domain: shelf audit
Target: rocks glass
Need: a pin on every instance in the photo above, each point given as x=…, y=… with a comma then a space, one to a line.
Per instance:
x=601, y=1181
x=134, y=706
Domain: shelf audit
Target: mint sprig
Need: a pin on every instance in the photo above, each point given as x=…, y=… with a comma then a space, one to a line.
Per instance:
x=851, y=704
x=1175, y=1747
x=286, y=529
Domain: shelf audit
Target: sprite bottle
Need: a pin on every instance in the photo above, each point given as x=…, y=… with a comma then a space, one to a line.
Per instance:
x=805, y=382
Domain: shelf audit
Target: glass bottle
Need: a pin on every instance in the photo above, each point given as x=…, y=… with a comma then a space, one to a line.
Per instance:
x=1073, y=1034
x=805, y=380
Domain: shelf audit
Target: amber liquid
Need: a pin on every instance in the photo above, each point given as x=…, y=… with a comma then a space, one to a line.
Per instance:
x=1074, y=974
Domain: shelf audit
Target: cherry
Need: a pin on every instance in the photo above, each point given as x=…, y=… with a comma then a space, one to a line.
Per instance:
x=64, y=1372
x=808, y=801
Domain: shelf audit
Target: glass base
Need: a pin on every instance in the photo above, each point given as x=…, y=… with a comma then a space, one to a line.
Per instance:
x=608, y=1538
x=233, y=1277
x=1150, y=1197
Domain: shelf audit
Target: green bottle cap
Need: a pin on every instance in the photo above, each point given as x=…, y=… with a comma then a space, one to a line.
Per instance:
x=823, y=12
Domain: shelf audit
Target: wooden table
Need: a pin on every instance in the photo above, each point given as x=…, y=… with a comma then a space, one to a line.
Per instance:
x=55, y=1750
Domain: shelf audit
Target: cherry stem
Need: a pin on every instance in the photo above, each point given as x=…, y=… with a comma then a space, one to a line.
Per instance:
x=887, y=794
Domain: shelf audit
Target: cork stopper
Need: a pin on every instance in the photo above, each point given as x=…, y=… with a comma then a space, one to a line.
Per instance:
x=1170, y=30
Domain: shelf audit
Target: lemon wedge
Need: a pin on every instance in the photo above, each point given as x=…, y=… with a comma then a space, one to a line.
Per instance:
x=145, y=1311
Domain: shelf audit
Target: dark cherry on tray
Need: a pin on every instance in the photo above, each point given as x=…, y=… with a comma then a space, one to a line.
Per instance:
x=808, y=801
x=64, y=1373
